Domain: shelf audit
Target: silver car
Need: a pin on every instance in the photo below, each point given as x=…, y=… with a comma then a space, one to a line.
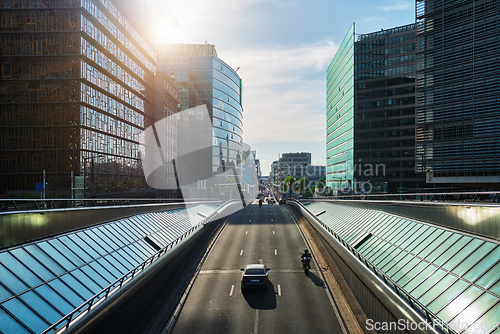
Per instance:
x=255, y=276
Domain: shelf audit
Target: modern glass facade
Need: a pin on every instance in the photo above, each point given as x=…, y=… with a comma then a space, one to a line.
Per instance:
x=340, y=116
x=453, y=278
x=371, y=111
x=458, y=104
x=384, y=125
x=43, y=281
x=77, y=90
x=204, y=79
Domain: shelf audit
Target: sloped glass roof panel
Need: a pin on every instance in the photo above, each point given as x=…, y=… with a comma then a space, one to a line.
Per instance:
x=462, y=254
x=473, y=311
x=441, y=247
x=483, y=265
x=496, y=288
x=76, y=286
x=19, y=269
x=457, y=304
x=435, y=303
x=489, y=321
x=41, y=306
x=451, y=250
x=10, y=325
x=55, y=299
x=408, y=271
x=25, y=315
x=472, y=258
x=419, y=278
x=11, y=281
x=30, y=262
x=71, y=295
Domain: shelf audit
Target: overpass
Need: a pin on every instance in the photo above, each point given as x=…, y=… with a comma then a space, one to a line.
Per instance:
x=376, y=263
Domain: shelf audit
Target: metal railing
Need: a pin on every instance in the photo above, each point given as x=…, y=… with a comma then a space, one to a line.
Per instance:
x=13, y=205
x=101, y=296
x=413, y=302
x=467, y=197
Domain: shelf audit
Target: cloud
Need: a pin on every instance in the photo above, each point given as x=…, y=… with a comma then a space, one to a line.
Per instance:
x=283, y=91
x=397, y=6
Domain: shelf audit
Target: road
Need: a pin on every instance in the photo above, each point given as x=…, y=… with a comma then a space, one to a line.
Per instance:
x=294, y=303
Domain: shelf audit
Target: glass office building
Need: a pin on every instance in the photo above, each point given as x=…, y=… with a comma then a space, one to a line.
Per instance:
x=204, y=79
x=458, y=104
x=77, y=91
x=371, y=111
x=340, y=116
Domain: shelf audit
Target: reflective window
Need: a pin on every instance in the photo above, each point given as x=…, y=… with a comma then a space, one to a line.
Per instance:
x=31, y=263
x=66, y=292
x=20, y=270
x=24, y=314
x=11, y=281
x=41, y=306
x=9, y=325
x=483, y=265
x=471, y=259
x=53, y=253
x=43, y=258
x=55, y=299
x=490, y=319
x=458, y=303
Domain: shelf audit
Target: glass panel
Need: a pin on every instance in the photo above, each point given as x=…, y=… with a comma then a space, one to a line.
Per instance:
x=66, y=252
x=103, y=272
x=54, y=298
x=488, y=321
x=19, y=269
x=31, y=263
x=490, y=277
x=108, y=244
x=400, y=265
x=496, y=288
x=76, y=249
x=117, y=265
x=120, y=232
x=9, y=325
x=441, y=246
x=25, y=315
x=451, y=250
x=462, y=254
x=4, y=293
x=414, y=236
x=127, y=257
x=391, y=260
x=115, y=238
x=381, y=248
x=407, y=233
x=47, y=261
x=473, y=258
x=419, y=278
x=445, y=296
x=41, y=306
x=483, y=265
x=126, y=226
x=103, y=262
x=66, y=292
x=95, y=277
x=404, y=276
x=423, y=240
x=459, y=303
x=475, y=309
x=77, y=286
x=11, y=281
x=86, y=281
x=433, y=242
x=90, y=245
x=433, y=288
x=369, y=245
x=64, y=262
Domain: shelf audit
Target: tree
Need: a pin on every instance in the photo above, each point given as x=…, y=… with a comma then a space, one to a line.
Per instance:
x=304, y=187
x=321, y=185
x=288, y=182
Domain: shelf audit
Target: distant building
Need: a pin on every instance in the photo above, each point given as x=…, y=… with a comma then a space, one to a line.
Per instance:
x=77, y=91
x=294, y=164
x=458, y=93
x=204, y=79
x=371, y=112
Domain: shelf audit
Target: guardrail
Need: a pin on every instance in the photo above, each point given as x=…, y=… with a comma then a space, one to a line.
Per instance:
x=468, y=197
x=13, y=205
x=412, y=301
x=101, y=296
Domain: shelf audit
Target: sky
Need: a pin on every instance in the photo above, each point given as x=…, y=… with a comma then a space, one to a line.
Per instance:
x=283, y=49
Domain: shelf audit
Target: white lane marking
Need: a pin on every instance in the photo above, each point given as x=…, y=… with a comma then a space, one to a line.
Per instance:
x=241, y=253
x=273, y=232
x=246, y=232
x=232, y=289
x=256, y=326
x=279, y=290
x=275, y=252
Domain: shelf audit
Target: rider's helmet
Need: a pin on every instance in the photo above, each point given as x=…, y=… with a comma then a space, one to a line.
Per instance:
x=306, y=251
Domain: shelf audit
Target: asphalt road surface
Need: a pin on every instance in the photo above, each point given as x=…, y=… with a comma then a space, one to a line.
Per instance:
x=294, y=303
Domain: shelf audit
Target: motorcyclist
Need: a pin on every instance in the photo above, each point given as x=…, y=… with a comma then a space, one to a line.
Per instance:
x=260, y=202
x=305, y=255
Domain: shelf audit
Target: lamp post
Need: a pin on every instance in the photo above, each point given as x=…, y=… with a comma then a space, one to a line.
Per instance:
x=85, y=172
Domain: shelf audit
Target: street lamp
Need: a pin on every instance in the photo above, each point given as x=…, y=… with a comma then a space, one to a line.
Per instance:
x=85, y=173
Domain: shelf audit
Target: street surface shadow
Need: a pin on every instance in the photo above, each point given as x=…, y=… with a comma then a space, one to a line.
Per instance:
x=261, y=299
x=316, y=280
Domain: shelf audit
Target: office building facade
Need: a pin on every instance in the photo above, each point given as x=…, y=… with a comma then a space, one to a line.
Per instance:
x=458, y=104
x=205, y=79
x=77, y=90
x=371, y=113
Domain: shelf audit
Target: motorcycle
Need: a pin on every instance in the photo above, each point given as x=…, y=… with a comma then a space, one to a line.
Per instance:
x=260, y=202
x=306, y=260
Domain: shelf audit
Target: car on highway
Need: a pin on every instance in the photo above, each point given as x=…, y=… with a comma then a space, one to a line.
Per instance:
x=255, y=276
x=282, y=201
